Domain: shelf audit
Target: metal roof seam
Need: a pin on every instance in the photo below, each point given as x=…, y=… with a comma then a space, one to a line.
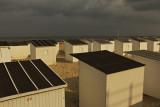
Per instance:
x=11, y=79
x=28, y=76
x=42, y=74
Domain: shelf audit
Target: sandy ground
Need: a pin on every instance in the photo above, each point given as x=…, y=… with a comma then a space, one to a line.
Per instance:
x=69, y=72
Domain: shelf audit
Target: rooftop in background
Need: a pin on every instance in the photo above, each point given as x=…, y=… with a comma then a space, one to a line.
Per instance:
x=110, y=39
x=75, y=42
x=146, y=54
x=138, y=39
x=102, y=41
x=13, y=43
x=27, y=76
x=123, y=40
x=42, y=43
x=107, y=62
x=152, y=39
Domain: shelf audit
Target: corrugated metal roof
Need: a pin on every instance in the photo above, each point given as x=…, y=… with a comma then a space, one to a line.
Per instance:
x=107, y=62
x=146, y=54
x=75, y=42
x=26, y=76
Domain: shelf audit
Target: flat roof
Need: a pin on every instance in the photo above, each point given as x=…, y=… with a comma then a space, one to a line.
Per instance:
x=13, y=43
x=152, y=39
x=107, y=62
x=102, y=41
x=26, y=76
x=138, y=39
x=123, y=40
x=146, y=54
x=42, y=43
x=75, y=42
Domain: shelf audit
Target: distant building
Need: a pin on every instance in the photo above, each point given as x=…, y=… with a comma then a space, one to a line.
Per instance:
x=112, y=40
x=99, y=45
x=109, y=80
x=90, y=44
x=5, y=55
x=138, y=44
x=122, y=45
x=74, y=46
x=30, y=83
x=18, y=49
x=45, y=50
x=151, y=77
x=152, y=44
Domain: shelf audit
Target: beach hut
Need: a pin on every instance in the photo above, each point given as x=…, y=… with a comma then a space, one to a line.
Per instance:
x=152, y=44
x=90, y=44
x=45, y=50
x=138, y=44
x=122, y=45
x=151, y=77
x=112, y=40
x=101, y=44
x=5, y=55
x=74, y=46
x=30, y=83
x=107, y=79
x=18, y=49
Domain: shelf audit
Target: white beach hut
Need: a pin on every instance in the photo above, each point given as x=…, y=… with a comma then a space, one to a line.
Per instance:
x=122, y=45
x=45, y=50
x=109, y=80
x=101, y=44
x=74, y=46
x=18, y=49
x=90, y=44
x=151, y=77
x=30, y=83
x=152, y=44
x=112, y=40
x=138, y=44
x=5, y=55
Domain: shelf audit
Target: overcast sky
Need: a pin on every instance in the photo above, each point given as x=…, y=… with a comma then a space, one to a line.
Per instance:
x=79, y=17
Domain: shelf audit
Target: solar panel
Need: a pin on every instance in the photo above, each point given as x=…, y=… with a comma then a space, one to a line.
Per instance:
x=40, y=43
x=20, y=78
x=51, y=76
x=35, y=75
x=6, y=86
x=76, y=42
x=27, y=76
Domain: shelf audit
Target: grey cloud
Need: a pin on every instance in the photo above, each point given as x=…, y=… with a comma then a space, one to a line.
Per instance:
x=89, y=8
x=144, y=5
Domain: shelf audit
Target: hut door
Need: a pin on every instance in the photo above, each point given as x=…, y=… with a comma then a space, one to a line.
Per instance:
x=80, y=49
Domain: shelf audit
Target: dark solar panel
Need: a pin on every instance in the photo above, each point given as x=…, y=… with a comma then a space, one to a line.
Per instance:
x=76, y=42
x=51, y=76
x=107, y=62
x=20, y=78
x=6, y=86
x=39, y=43
x=35, y=75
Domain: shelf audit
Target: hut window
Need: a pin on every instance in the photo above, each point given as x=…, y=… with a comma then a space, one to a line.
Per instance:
x=46, y=52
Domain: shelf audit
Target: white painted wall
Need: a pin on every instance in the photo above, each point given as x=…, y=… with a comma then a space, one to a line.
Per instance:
x=153, y=45
x=99, y=47
x=5, y=55
x=143, y=45
x=54, y=98
x=46, y=54
x=90, y=45
x=92, y=86
x=125, y=88
x=69, y=49
x=122, y=89
x=127, y=47
x=151, y=76
x=19, y=52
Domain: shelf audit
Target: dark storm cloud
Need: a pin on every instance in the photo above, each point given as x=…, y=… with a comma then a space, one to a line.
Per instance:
x=90, y=8
x=144, y=5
